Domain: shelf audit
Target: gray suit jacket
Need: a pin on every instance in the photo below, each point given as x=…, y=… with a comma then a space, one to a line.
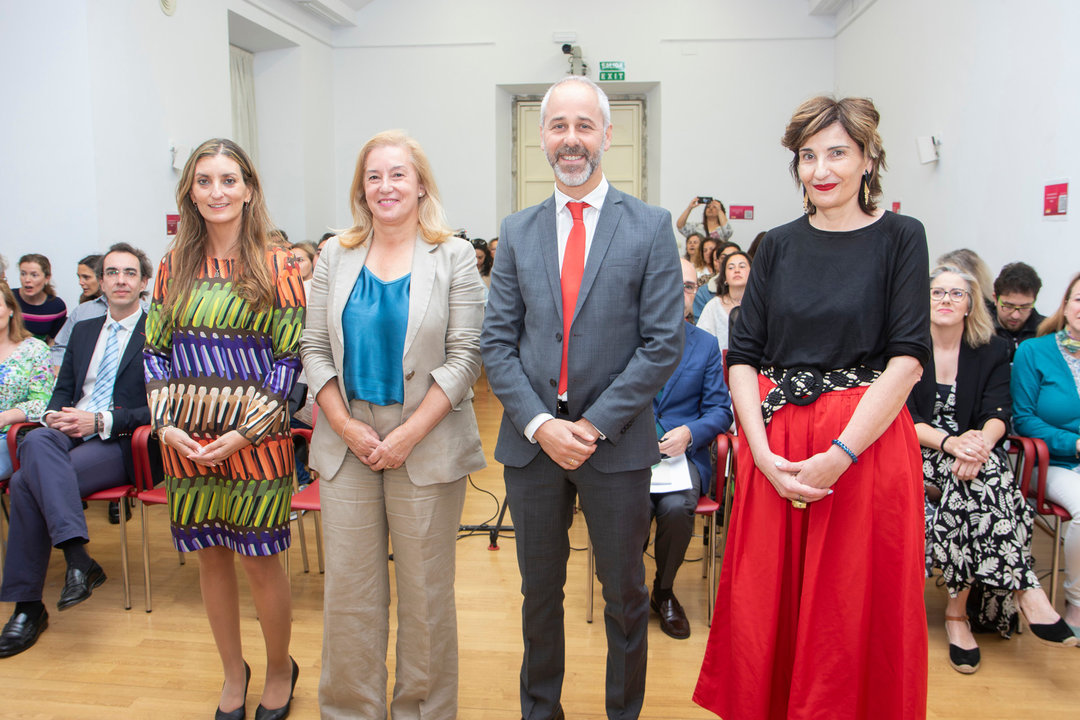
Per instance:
x=446, y=308
x=627, y=334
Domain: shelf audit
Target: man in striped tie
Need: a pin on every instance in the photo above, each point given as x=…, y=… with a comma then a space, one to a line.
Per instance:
x=99, y=399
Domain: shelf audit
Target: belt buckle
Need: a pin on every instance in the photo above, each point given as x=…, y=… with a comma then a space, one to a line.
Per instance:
x=802, y=385
x=562, y=407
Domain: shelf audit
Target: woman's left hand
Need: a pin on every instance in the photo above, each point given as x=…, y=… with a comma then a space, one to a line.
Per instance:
x=392, y=451
x=821, y=470
x=219, y=450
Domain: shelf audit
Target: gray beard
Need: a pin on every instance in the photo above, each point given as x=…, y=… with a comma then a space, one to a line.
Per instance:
x=579, y=178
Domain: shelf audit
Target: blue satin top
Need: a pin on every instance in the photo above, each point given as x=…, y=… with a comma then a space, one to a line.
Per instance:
x=374, y=322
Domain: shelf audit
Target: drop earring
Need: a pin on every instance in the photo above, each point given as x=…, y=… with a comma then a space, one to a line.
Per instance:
x=866, y=187
x=805, y=201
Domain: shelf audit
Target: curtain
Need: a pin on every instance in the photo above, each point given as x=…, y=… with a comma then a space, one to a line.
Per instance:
x=242, y=79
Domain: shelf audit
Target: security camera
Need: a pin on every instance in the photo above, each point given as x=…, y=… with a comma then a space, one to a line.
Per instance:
x=567, y=48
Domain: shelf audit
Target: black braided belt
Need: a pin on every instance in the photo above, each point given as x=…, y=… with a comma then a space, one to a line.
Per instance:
x=804, y=385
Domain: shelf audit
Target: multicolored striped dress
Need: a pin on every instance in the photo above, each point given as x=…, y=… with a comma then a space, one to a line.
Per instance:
x=214, y=365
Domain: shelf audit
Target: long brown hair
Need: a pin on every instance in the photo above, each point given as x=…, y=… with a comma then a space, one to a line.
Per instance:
x=1057, y=321
x=859, y=118
x=432, y=217
x=251, y=277
x=17, y=331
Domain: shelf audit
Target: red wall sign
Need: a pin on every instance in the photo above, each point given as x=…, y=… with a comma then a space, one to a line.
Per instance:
x=1056, y=199
x=741, y=212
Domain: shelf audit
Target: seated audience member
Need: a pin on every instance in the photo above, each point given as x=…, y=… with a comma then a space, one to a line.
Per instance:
x=970, y=262
x=752, y=250
x=714, y=221
x=321, y=244
x=484, y=261
x=708, y=291
x=692, y=409
x=26, y=380
x=715, y=316
x=1015, y=291
x=3, y=268
x=1046, y=405
x=43, y=312
x=87, y=273
x=305, y=253
x=85, y=311
x=978, y=525
x=694, y=254
x=709, y=247
x=98, y=401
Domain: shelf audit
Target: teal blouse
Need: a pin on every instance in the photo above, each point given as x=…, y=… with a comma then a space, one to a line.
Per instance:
x=374, y=322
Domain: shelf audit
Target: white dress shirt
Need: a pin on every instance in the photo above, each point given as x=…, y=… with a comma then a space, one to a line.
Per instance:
x=564, y=221
x=125, y=329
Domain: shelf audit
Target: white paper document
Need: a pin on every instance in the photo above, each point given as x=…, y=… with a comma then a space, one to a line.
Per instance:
x=671, y=475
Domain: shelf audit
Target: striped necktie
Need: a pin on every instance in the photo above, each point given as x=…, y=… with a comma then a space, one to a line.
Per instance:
x=101, y=400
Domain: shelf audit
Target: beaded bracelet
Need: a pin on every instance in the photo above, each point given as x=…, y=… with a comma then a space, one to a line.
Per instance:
x=845, y=448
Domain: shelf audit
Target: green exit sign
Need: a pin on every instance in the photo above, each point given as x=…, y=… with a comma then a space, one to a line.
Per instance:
x=612, y=70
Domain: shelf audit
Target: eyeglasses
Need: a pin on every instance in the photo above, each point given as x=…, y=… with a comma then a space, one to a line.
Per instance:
x=689, y=287
x=955, y=294
x=115, y=272
x=1010, y=308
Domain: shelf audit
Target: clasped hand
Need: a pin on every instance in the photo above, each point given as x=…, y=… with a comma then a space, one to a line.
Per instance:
x=808, y=480
x=569, y=444
x=375, y=452
x=971, y=451
x=210, y=455
x=72, y=422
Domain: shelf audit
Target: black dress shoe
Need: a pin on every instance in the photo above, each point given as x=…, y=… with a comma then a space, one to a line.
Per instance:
x=21, y=632
x=672, y=617
x=79, y=585
x=114, y=512
x=240, y=712
x=282, y=712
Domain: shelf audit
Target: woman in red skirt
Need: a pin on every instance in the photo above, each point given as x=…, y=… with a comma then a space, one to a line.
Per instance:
x=820, y=607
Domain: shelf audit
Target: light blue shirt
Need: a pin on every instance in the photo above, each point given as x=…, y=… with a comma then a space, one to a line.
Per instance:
x=374, y=322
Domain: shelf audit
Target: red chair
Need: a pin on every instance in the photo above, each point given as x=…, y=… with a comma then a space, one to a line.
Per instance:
x=148, y=495
x=1035, y=453
x=306, y=500
x=707, y=508
x=120, y=494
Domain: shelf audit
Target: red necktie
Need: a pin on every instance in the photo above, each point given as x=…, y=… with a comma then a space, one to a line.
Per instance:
x=572, y=268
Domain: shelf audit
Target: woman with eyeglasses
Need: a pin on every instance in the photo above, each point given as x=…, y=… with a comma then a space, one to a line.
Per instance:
x=978, y=525
x=1046, y=405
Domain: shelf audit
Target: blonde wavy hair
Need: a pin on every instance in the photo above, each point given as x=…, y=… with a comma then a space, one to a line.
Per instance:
x=432, y=217
x=1057, y=321
x=978, y=325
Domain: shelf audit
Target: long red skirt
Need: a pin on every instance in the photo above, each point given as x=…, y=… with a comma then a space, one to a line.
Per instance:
x=819, y=612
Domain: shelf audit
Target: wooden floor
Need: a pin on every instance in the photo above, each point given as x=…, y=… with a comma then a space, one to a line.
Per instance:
x=99, y=661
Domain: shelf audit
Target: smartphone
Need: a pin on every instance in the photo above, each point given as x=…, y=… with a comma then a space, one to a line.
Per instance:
x=704, y=200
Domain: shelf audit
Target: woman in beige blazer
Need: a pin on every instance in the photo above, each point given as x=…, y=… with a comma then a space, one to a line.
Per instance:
x=391, y=349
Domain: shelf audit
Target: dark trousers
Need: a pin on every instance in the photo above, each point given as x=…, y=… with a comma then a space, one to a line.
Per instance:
x=616, y=507
x=46, y=502
x=674, y=513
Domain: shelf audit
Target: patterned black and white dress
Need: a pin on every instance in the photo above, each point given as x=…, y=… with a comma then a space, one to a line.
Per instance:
x=979, y=533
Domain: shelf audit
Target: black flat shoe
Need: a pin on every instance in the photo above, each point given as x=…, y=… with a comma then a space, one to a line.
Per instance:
x=962, y=661
x=282, y=712
x=79, y=585
x=21, y=632
x=1058, y=634
x=240, y=712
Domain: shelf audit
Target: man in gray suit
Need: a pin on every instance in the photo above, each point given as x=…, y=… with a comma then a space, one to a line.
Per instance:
x=583, y=327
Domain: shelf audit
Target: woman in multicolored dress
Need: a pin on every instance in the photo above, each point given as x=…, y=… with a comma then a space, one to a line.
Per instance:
x=978, y=525
x=222, y=344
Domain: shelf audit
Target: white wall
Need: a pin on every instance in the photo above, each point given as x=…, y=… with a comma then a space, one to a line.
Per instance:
x=997, y=81
x=96, y=95
x=727, y=73
x=48, y=189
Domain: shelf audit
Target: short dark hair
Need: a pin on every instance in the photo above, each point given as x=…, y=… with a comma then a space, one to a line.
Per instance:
x=1017, y=277
x=146, y=268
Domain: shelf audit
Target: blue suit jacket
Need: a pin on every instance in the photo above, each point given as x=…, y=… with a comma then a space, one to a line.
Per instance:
x=626, y=336
x=696, y=396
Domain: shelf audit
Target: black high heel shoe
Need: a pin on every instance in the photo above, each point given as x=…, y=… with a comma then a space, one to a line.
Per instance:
x=282, y=712
x=1058, y=634
x=962, y=661
x=240, y=712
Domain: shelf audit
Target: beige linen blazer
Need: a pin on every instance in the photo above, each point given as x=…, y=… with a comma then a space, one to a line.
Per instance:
x=442, y=345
